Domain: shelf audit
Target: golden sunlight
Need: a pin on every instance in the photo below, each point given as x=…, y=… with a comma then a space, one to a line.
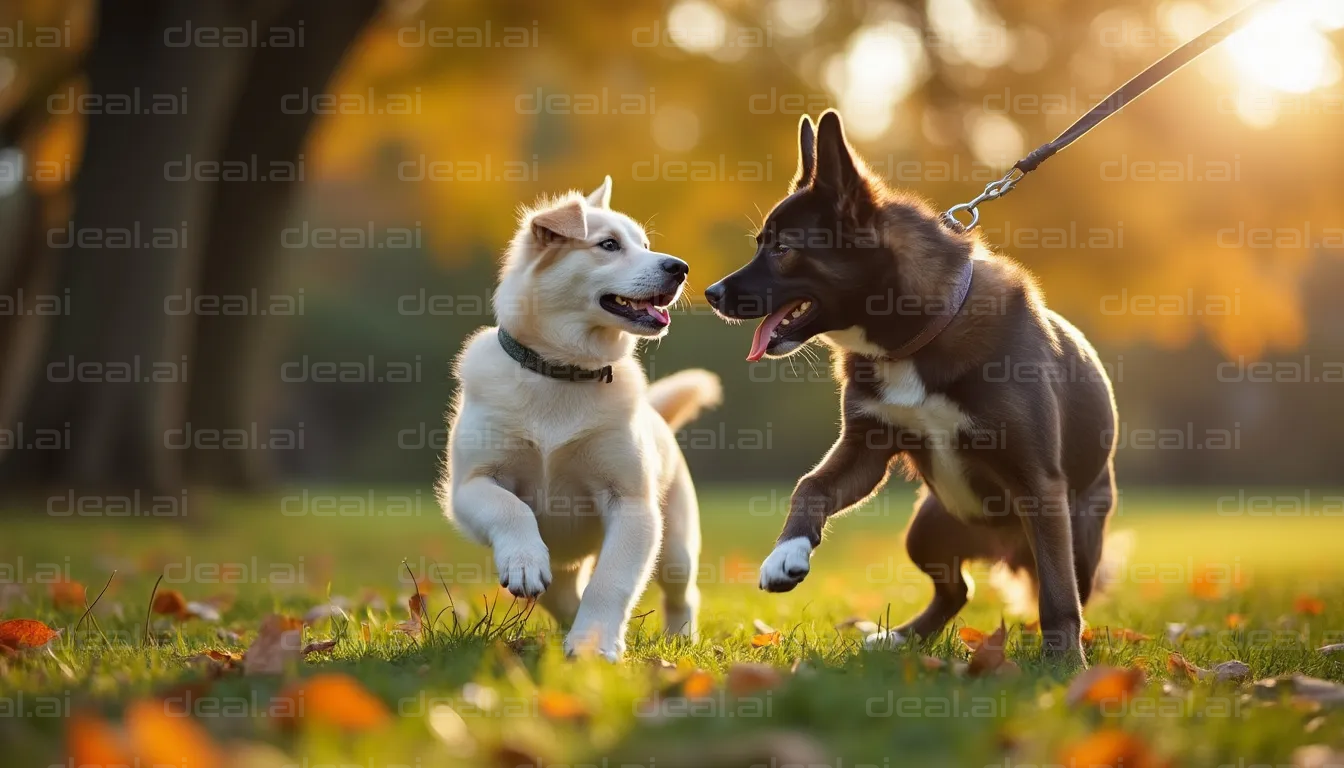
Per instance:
x=1284, y=47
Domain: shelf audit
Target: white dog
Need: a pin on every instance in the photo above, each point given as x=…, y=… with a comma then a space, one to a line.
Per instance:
x=560, y=451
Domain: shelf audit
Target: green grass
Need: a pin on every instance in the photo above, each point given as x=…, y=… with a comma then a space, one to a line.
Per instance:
x=843, y=705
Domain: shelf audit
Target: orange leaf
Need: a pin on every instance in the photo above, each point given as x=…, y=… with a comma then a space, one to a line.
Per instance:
x=561, y=706
x=971, y=636
x=338, y=700
x=278, y=644
x=747, y=678
x=1177, y=665
x=161, y=737
x=988, y=655
x=697, y=684
x=1235, y=621
x=764, y=639
x=170, y=602
x=1308, y=605
x=25, y=633
x=1104, y=684
x=67, y=595
x=92, y=741
x=1109, y=747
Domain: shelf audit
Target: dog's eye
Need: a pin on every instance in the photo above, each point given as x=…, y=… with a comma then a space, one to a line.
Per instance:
x=610, y=244
x=779, y=249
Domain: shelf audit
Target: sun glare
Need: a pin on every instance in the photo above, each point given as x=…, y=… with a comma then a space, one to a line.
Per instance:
x=1284, y=47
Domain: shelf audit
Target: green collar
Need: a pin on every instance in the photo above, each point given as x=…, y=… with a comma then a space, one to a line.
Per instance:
x=534, y=362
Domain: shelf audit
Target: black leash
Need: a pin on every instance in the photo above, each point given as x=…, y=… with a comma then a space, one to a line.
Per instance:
x=1130, y=91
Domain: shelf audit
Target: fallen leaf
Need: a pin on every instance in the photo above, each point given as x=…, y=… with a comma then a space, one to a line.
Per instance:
x=90, y=740
x=971, y=636
x=319, y=647
x=1308, y=606
x=1235, y=621
x=1329, y=649
x=1231, y=671
x=335, y=699
x=1302, y=689
x=697, y=684
x=988, y=655
x=764, y=639
x=1091, y=635
x=761, y=627
x=1177, y=665
x=202, y=611
x=1104, y=684
x=748, y=677
x=170, y=602
x=1174, y=631
x=932, y=663
x=160, y=736
x=278, y=645
x=18, y=634
x=324, y=611
x=561, y=706
x=1109, y=747
x=68, y=595
x=415, y=625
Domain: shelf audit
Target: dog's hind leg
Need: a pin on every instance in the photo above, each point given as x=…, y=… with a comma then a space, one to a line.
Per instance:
x=679, y=562
x=939, y=543
x=1090, y=511
x=561, y=600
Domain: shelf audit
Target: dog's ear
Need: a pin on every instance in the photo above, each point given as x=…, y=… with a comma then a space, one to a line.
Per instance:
x=807, y=154
x=839, y=173
x=563, y=222
x=601, y=197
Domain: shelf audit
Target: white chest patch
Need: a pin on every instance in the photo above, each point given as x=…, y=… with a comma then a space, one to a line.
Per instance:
x=906, y=404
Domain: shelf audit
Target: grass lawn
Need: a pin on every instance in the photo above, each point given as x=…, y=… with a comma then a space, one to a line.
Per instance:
x=1267, y=590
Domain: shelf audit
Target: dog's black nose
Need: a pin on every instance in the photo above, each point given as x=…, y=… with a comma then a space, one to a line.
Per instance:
x=676, y=267
x=714, y=294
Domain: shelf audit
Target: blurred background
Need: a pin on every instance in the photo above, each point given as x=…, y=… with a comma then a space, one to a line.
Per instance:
x=241, y=242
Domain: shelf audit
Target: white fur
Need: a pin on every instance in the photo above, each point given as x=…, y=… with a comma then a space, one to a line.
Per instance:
x=905, y=403
x=787, y=565
x=554, y=474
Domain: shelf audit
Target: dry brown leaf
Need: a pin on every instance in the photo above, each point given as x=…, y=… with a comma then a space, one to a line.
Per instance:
x=68, y=595
x=748, y=677
x=1110, y=747
x=862, y=625
x=338, y=700
x=319, y=647
x=1332, y=648
x=988, y=655
x=561, y=706
x=764, y=639
x=18, y=634
x=1177, y=665
x=415, y=625
x=160, y=736
x=1308, y=605
x=1104, y=684
x=1235, y=621
x=278, y=645
x=170, y=602
x=1303, y=690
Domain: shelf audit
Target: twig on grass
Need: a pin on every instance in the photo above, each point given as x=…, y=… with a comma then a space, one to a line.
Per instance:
x=89, y=608
x=150, y=611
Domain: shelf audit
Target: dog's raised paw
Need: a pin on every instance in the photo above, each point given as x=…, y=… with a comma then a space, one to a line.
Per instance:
x=524, y=572
x=787, y=566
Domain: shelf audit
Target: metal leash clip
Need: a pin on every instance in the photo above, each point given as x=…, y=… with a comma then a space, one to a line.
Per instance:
x=993, y=191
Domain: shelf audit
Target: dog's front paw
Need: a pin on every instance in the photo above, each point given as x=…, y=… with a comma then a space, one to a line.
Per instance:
x=787, y=566
x=609, y=644
x=524, y=571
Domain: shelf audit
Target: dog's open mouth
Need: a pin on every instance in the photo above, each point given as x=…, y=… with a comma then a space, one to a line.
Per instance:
x=649, y=312
x=782, y=325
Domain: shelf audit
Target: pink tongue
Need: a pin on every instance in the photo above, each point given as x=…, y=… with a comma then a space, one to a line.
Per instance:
x=663, y=315
x=761, y=340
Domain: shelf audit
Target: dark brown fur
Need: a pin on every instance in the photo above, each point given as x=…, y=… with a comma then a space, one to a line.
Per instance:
x=1038, y=451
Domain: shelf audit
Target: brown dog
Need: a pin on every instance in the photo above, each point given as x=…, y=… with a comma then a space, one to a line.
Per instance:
x=951, y=364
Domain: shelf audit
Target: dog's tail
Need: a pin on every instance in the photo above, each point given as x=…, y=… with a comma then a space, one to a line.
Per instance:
x=681, y=397
x=1018, y=590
